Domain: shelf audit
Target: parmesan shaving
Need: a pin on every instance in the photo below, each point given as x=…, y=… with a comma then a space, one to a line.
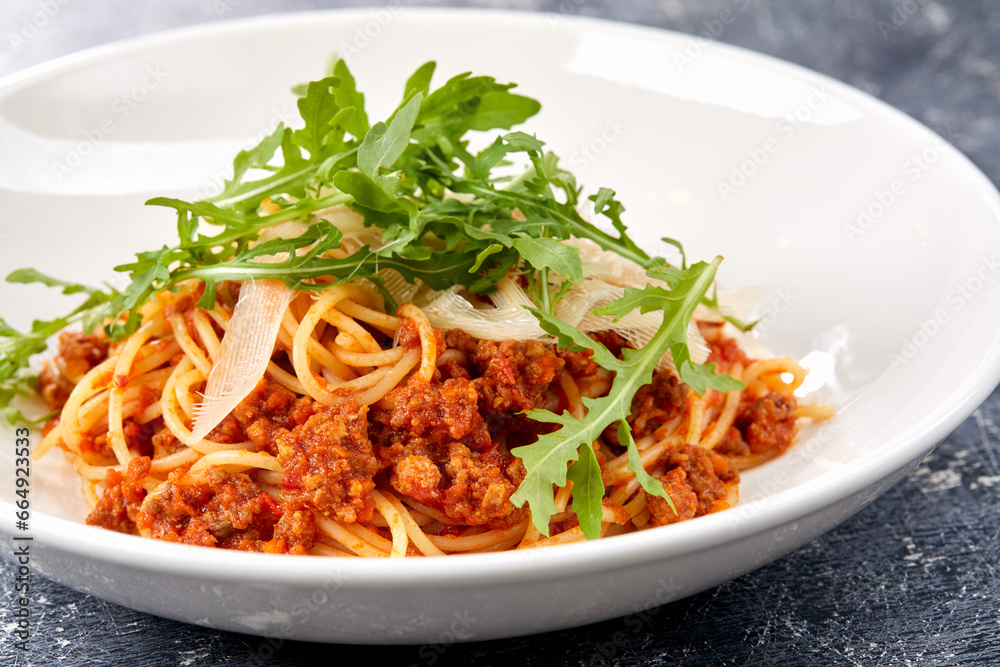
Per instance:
x=247, y=347
x=244, y=354
x=606, y=275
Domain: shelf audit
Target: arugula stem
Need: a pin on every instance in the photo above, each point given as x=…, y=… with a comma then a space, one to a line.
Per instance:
x=284, y=215
x=581, y=228
x=544, y=298
x=266, y=185
x=353, y=266
x=658, y=345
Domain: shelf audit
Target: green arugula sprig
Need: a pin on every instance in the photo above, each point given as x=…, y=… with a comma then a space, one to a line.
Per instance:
x=448, y=216
x=546, y=460
x=17, y=348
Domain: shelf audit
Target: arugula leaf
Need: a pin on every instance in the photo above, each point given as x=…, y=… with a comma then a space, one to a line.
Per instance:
x=467, y=102
x=319, y=110
x=254, y=158
x=420, y=81
x=348, y=97
x=682, y=282
x=546, y=460
x=385, y=143
x=648, y=483
x=28, y=276
x=713, y=303
x=17, y=348
x=588, y=491
x=549, y=253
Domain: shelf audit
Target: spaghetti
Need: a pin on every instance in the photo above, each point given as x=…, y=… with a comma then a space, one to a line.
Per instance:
x=377, y=434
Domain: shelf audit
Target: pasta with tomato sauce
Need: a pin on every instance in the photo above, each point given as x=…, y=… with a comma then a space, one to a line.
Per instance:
x=377, y=434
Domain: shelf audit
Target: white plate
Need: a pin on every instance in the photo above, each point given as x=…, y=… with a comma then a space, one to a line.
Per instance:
x=898, y=312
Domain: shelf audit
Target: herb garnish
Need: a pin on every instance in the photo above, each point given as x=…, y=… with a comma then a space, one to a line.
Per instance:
x=401, y=176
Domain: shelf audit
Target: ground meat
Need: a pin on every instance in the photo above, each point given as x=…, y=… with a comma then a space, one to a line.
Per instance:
x=768, y=424
x=579, y=363
x=468, y=486
x=295, y=532
x=271, y=410
x=53, y=386
x=442, y=413
x=164, y=441
x=513, y=377
x=611, y=340
x=408, y=334
x=708, y=474
x=456, y=339
x=118, y=508
x=452, y=363
x=139, y=437
x=725, y=352
x=515, y=374
x=328, y=461
x=437, y=443
x=97, y=450
x=436, y=449
x=452, y=367
x=732, y=444
x=657, y=403
x=697, y=481
x=765, y=425
x=212, y=507
x=683, y=497
x=479, y=491
x=228, y=431
x=78, y=354
x=418, y=477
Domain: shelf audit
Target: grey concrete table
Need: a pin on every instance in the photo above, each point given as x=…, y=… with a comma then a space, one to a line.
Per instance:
x=912, y=579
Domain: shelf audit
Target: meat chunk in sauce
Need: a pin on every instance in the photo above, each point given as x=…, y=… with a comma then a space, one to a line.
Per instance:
x=514, y=374
x=328, y=461
x=295, y=532
x=442, y=413
x=439, y=452
x=211, y=507
x=118, y=507
x=763, y=426
x=78, y=354
x=268, y=411
x=697, y=481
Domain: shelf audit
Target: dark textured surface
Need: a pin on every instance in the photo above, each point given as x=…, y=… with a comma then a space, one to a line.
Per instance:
x=912, y=579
